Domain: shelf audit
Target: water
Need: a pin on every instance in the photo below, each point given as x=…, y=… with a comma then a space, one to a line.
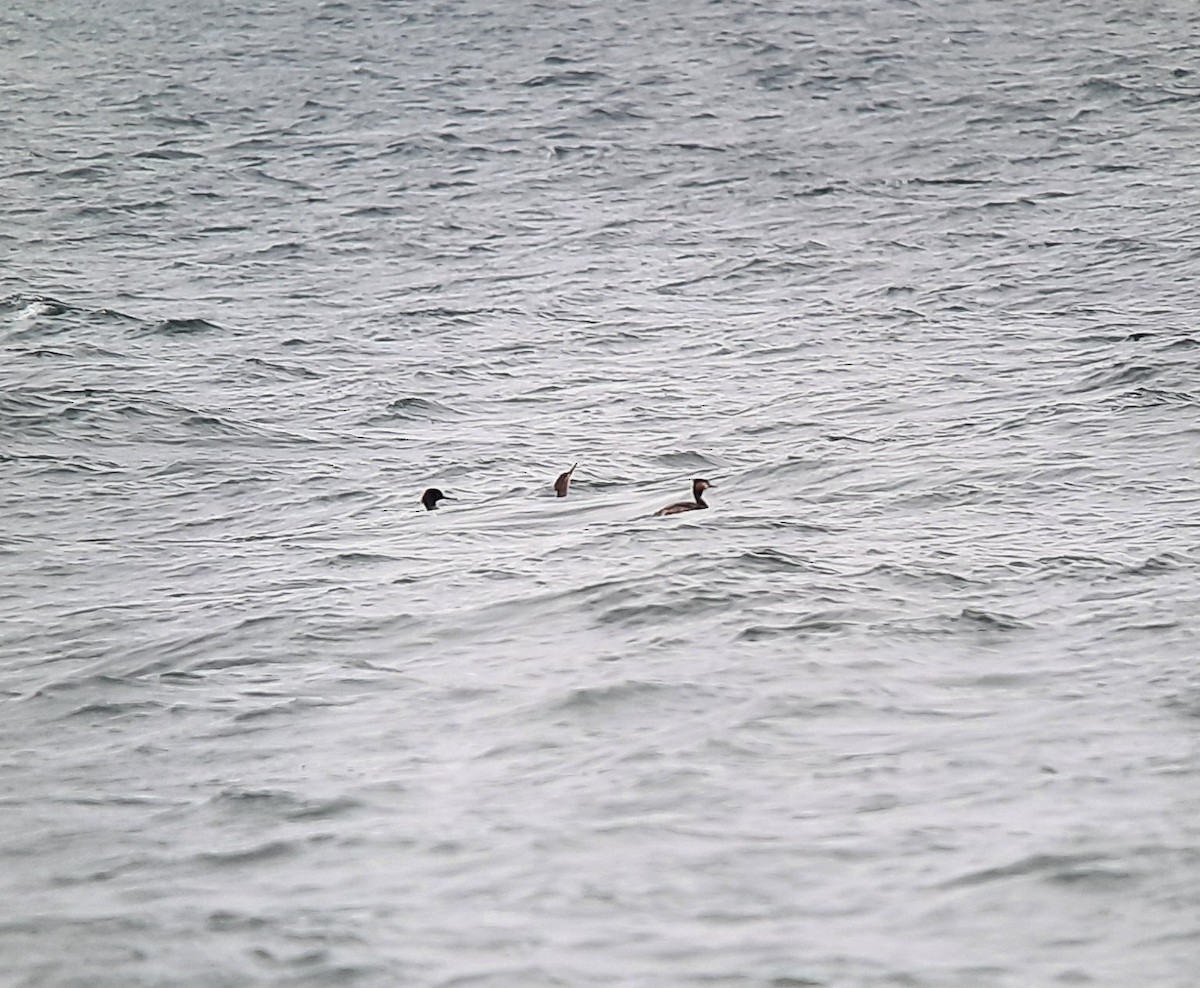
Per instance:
x=914, y=703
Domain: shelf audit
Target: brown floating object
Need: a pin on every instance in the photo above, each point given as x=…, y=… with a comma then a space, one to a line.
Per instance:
x=563, y=484
x=698, y=488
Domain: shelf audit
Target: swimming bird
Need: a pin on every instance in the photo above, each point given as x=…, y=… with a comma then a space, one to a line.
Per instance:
x=431, y=497
x=698, y=489
x=563, y=484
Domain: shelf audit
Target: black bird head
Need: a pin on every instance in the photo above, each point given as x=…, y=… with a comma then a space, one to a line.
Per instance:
x=431, y=497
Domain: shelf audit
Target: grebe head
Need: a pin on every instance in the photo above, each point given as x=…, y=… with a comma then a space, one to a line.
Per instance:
x=431, y=497
x=700, y=486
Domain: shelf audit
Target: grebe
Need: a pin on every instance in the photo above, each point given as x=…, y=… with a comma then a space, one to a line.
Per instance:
x=431, y=497
x=563, y=484
x=698, y=489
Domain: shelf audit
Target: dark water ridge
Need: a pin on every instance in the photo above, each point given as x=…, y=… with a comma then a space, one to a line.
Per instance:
x=914, y=702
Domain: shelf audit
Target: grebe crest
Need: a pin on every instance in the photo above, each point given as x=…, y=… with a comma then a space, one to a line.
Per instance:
x=431, y=497
x=699, y=486
x=563, y=484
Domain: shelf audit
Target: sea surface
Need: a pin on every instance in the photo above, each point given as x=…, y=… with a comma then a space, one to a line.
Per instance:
x=913, y=283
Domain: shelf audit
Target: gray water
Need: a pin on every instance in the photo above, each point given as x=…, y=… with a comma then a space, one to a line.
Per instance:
x=914, y=703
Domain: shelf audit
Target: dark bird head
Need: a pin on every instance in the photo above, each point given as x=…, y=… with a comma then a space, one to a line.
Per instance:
x=563, y=484
x=699, y=487
x=431, y=497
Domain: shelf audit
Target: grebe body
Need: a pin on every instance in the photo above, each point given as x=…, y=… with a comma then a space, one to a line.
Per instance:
x=698, y=488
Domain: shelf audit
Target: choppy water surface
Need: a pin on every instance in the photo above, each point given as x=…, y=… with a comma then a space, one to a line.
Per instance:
x=915, y=703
